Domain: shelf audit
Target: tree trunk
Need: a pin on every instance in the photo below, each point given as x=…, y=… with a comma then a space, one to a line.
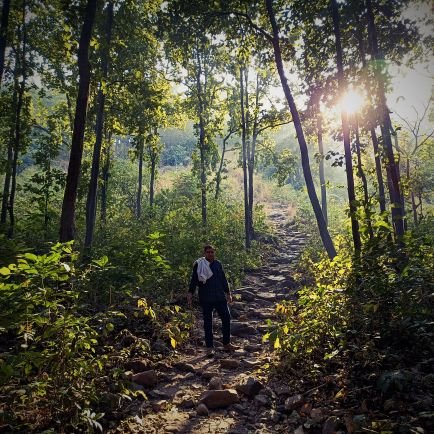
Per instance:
x=251, y=159
x=47, y=198
x=386, y=127
x=220, y=169
x=202, y=151
x=412, y=197
x=10, y=156
x=152, y=181
x=421, y=208
x=251, y=170
x=93, y=184
x=3, y=35
x=345, y=129
x=322, y=226
x=361, y=174
x=379, y=171
x=398, y=168
x=377, y=157
x=67, y=219
x=17, y=138
x=244, y=156
x=105, y=178
x=140, y=180
x=321, y=165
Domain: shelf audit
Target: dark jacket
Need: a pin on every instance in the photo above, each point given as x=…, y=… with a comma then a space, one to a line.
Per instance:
x=215, y=288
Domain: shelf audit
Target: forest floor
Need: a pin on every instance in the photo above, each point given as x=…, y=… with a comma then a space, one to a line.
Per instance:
x=230, y=392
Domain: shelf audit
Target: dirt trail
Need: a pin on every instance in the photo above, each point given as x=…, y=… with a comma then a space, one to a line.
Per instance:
x=256, y=406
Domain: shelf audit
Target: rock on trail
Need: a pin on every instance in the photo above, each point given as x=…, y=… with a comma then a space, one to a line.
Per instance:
x=227, y=393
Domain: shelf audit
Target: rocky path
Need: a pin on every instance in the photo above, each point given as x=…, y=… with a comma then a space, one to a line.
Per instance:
x=229, y=393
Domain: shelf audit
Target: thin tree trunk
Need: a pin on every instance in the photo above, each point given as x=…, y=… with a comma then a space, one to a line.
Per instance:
x=10, y=156
x=378, y=171
x=414, y=208
x=249, y=144
x=421, y=208
x=322, y=226
x=220, y=169
x=140, y=180
x=67, y=219
x=377, y=157
x=251, y=169
x=105, y=178
x=251, y=159
x=3, y=35
x=46, y=199
x=201, y=109
x=244, y=156
x=412, y=197
x=17, y=140
x=321, y=165
x=203, y=182
x=346, y=131
x=362, y=175
x=386, y=128
x=398, y=168
x=91, y=203
x=151, y=183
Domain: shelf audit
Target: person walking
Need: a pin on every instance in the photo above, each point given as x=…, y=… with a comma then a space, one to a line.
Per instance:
x=214, y=294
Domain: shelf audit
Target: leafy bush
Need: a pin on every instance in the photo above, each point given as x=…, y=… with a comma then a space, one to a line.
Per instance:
x=50, y=368
x=61, y=355
x=155, y=254
x=361, y=310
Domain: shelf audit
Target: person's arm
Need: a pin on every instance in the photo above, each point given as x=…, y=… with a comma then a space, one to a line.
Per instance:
x=194, y=280
x=226, y=287
x=225, y=282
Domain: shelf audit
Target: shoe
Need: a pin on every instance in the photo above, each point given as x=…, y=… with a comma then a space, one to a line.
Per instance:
x=230, y=347
x=210, y=352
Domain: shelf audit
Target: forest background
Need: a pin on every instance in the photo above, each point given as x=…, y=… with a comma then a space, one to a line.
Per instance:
x=133, y=132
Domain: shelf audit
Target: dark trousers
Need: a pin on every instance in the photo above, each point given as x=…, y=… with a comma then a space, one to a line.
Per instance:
x=222, y=309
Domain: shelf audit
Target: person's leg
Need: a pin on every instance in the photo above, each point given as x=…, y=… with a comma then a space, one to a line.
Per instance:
x=207, y=310
x=222, y=309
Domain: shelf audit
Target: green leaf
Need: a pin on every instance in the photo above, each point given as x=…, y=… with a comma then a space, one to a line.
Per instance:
x=277, y=343
x=5, y=271
x=31, y=257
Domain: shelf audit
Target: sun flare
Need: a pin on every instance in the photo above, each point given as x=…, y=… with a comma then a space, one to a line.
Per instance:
x=352, y=101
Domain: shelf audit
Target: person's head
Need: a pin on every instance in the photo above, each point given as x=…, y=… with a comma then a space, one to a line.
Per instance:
x=209, y=252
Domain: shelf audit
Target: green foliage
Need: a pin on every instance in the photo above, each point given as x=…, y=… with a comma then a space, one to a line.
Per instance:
x=53, y=343
x=170, y=323
x=156, y=253
x=360, y=310
x=60, y=361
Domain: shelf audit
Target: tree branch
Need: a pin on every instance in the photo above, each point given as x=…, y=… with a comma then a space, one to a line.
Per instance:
x=249, y=21
x=273, y=126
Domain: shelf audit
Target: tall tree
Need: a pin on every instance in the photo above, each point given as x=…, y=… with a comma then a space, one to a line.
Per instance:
x=3, y=34
x=233, y=126
x=343, y=87
x=245, y=153
x=10, y=116
x=67, y=220
x=93, y=184
x=386, y=125
x=361, y=174
x=18, y=140
x=322, y=180
x=322, y=226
